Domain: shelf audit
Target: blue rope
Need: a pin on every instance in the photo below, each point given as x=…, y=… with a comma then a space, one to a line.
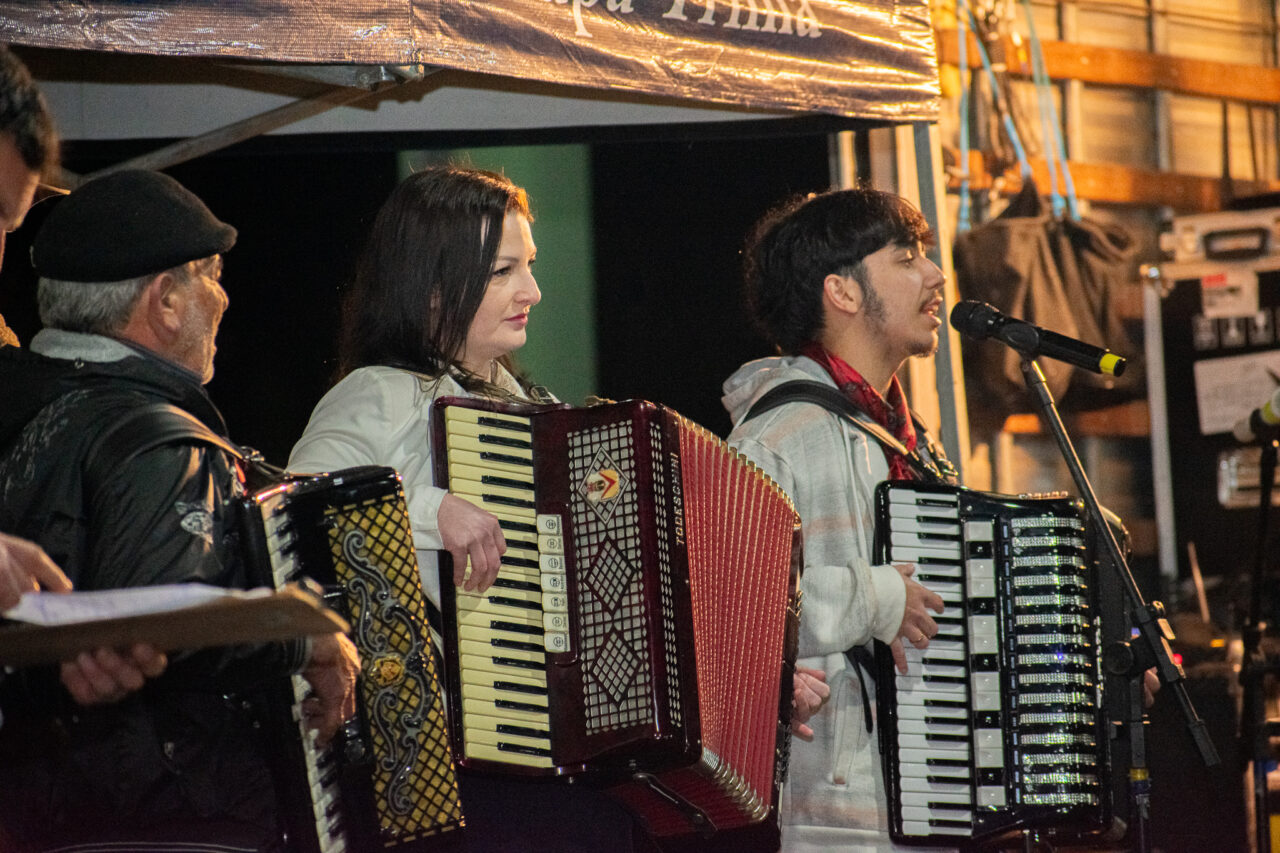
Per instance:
x=1054, y=145
x=1005, y=116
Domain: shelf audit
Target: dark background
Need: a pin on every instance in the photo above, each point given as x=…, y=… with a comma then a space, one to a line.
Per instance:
x=671, y=215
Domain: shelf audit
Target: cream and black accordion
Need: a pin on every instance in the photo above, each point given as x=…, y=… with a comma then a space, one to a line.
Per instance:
x=387, y=782
x=642, y=629
x=999, y=724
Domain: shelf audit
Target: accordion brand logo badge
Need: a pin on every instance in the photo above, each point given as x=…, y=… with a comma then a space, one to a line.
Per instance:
x=387, y=671
x=603, y=484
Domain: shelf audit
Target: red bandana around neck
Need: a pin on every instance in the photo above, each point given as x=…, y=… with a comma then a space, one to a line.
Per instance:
x=890, y=412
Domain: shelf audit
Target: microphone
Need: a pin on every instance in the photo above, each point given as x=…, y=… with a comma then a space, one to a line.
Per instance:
x=1261, y=421
x=978, y=320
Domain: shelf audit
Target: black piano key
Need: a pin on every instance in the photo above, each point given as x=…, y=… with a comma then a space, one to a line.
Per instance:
x=945, y=703
x=500, y=643
x=499, y=423
x=503, y=441
x=947, y=762
x=948, y=738
x=508, y=482
x=512, y=705
x=328, y=778
x=503, y=625
x=519, y=503
x=512, y=583
x=945, y=679
x=504, y=601
x=523, y=731
x=517, y=662
x=950, y=807
x=958, y=824
x=490, y=456
x=519, y=527
x=520, y=561
x=523, y=750
x=516, y=687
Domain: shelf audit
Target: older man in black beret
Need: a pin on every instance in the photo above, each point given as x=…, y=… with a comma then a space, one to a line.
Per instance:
x=131, y=300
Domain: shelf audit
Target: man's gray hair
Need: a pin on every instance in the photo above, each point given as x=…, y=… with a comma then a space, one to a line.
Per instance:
x=97, y=308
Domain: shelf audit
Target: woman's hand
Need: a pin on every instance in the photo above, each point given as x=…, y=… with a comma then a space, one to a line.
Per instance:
x=468, y=531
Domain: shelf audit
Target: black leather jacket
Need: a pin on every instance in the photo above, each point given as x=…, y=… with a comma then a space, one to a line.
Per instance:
x=185, y=747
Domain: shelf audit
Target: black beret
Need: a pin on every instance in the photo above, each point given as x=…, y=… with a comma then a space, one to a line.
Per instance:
x=126, y=225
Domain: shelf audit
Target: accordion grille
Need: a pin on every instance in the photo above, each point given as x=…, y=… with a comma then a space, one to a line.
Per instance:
x=415, y=794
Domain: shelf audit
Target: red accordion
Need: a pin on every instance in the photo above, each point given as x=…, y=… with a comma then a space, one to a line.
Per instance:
x=642, y=630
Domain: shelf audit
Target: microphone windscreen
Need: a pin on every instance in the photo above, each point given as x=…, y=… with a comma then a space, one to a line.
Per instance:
x=973, y=318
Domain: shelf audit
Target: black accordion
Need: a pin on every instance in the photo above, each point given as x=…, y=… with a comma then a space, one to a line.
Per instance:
x=999, y=725
x=642, y=630
x=387, y=782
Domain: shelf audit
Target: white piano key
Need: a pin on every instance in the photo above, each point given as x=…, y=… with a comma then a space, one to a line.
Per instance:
x=990, y=796
x=924, y=828
x=924, y=813
x=921, y=774
x=937, y=712
x=913, y=690
x=979, y=530
x=961, y=795
x=921, y=757
x=915, y=497
x=914, y=553
x=928, y=727
x=939, y=570
x=916, y=524
x=941, y=748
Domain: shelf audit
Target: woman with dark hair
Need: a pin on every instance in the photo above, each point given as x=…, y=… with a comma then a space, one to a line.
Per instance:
x=441, y=297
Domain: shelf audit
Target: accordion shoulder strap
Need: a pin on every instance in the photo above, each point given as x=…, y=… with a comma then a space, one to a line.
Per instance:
x=937, y=468
x=145, y=428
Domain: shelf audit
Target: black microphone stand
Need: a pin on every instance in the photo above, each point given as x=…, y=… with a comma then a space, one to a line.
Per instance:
x=1129, y=658
x=1255, y=732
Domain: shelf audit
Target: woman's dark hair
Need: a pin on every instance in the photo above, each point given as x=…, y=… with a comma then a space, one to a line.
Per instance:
x=798, y=244
x=423, y=272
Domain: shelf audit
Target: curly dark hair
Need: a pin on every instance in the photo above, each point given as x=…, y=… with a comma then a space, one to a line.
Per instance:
x=802, y=241
x=423, y=272
x=25, y=117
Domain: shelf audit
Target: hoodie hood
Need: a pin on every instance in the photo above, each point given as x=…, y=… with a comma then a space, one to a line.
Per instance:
x=754, y=378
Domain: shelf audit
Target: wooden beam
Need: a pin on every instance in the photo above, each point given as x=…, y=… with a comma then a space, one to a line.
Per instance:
x=1110, y=66
x=1111, y=183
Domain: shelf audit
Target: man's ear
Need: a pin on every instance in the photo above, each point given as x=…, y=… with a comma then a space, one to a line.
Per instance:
x=166, y=302
x=843, y=293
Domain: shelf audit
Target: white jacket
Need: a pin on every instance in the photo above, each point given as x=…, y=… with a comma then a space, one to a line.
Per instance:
x=834, y=798
x=381, y=416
